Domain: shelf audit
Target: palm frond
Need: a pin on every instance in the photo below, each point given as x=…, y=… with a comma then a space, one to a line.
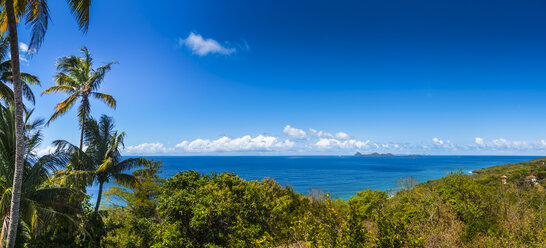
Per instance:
x=65, y=146
x=4, y=49
x=56, y=194
x=126, y=180
x=74, y=177
x=31, y=143
x=32, y=125
x=53, y=161
x=108, y=99
x=33, y=177
x=106, y=164
x=62, y=107
x=98, y=75
x=68, y=216
x=107, y=125
x=80, y=10
x=60, y=88
x=27, y=93
x=116, y=144
x=5, y=66
x=5, y=201
x=62, y=78
x=30, y=79
x=6, y=92
x=87, y=60
x=37, y=16
x=72, y=65
x=19, y=8
x=131, y=163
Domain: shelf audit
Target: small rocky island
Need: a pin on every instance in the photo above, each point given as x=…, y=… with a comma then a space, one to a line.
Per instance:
x=375, y=154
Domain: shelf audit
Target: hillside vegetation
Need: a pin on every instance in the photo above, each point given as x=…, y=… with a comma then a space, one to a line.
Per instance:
x=221, y=210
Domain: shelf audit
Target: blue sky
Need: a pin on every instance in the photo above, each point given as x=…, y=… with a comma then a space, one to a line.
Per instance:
x=254, y=77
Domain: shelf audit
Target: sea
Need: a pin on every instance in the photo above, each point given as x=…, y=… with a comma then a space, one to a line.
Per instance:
x=340, y=176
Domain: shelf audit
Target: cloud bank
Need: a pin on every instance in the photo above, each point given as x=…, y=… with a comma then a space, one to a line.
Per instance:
x=246, y=143
x=294, y=140
x=148, y=148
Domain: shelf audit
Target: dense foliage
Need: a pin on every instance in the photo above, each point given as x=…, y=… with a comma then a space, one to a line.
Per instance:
x=221, y=210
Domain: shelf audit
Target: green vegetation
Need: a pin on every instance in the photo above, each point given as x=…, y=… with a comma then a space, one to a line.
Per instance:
x=221, y=210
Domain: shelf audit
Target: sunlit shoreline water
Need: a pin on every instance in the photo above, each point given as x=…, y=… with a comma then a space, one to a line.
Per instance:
x=341, y=176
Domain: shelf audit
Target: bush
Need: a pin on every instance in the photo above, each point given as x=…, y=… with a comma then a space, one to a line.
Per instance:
x=222, y=210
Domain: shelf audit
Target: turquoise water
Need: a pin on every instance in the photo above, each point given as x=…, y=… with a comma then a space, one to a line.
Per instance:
x=340, y=176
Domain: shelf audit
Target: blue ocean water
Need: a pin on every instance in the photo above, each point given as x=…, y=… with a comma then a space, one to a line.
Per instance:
x=340, y=176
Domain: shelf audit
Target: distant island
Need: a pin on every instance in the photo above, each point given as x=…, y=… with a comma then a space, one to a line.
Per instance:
x=375, y=154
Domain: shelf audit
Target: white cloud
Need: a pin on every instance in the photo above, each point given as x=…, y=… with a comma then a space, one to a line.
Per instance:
x=44, y=151
x=320, y=134
x=24, y=48
x=319, y=142
x=343, y=136
x=443, y=144
x=294, y=132
x=24, y=52
x=504, y=145
x=479, y=141
x=245, y=143
x=501, y=143
x=335, y=144
x=437, y=141
x=148, y=148
x=202, y=47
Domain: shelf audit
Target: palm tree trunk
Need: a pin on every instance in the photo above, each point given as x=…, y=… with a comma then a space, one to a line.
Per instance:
x=98, y=197
x=19, y=139
x=81, y=136
x=83, y=116
x=4, y=234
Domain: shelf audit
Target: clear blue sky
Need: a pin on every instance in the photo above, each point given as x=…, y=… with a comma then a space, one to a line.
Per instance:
x=435, y=77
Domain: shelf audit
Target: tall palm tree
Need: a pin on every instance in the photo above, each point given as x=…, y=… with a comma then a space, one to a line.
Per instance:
x=102, y=161
x=40, y=203
x=79, y=80
x=36, y=14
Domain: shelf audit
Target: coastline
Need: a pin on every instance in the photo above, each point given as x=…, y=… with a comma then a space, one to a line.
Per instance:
x=342, y=176
x=456, y=210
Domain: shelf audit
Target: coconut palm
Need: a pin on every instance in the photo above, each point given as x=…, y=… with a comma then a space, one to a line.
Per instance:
x=41, y=203
x=6, y=77
x=79, y=80
x=102, y=161
x=36, y=14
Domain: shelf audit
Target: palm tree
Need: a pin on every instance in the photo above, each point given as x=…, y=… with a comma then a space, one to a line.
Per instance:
x=40, y=203
x=102, y=161
x=79, y=80
x=6, y=77
x=36, y=14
